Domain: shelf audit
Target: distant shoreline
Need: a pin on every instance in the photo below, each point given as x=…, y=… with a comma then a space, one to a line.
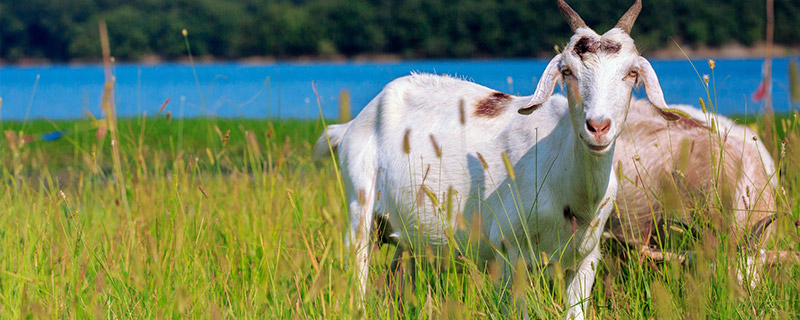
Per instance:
x=730, y=51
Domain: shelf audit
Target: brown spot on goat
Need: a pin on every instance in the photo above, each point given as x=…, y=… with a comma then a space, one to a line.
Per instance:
x=492, y=105
x=590, y=45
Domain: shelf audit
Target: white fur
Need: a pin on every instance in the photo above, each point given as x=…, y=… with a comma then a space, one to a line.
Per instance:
x=496, y=219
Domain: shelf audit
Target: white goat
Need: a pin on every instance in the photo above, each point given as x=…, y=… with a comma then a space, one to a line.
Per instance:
x=425, y=134
x=694, y=164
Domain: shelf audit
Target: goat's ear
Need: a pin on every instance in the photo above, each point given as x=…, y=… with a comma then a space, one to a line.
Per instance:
x=647, y=76
x=545, y=87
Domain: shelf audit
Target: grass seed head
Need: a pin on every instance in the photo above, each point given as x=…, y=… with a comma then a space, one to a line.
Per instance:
x=482, y=160
x=271, y=130
x=226, y=137
x=218, y=131
x=210, y=156
x=520, y=286
x=436, y=148
x=461, y=224
x=703, y=105
x=11, y=140
x=432, y=197
x=344, y=106
x=509, y=167
x=462, y=114
x=406, y=143
x=429, y=255
x=783, y=150
x=252, y=141
x=362, y=198
x=663, y=301
x=449, y=202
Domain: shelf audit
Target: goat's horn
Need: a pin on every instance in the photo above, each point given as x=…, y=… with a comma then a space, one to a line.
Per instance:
x=626, y=22
x=573, y=18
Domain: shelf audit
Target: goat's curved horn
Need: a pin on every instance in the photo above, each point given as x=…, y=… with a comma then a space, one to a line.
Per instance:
x=573, y=18
x=626, y=22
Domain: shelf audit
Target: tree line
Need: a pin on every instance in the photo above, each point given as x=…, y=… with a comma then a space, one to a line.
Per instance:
x=67, y=30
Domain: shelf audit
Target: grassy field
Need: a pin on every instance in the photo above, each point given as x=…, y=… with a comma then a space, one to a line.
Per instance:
x=230, y=218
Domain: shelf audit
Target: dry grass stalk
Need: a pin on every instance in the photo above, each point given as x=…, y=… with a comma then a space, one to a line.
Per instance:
x=164, y=105
x=111, y=115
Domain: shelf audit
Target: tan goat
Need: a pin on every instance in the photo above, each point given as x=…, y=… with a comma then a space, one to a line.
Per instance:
x=692, y=172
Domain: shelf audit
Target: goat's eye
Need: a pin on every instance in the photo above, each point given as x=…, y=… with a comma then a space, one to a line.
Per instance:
x=633, y=73
x=566, y=72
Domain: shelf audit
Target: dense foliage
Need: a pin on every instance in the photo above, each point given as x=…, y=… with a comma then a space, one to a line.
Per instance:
x=67, y=29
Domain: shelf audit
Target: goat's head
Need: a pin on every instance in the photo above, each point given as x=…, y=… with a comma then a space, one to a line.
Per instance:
x=599, y=72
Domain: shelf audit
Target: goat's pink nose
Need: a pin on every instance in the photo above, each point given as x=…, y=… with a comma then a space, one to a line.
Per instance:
x=598, y=129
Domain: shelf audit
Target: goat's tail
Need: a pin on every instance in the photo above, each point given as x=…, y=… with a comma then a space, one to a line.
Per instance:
x=333, y=134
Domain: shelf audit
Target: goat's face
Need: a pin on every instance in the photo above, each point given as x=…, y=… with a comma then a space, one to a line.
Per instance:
x=599, y=72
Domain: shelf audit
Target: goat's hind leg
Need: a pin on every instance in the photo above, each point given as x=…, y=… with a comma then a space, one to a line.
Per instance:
x=361, y=204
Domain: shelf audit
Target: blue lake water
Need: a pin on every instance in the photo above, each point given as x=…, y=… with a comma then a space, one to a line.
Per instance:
x=285, y=89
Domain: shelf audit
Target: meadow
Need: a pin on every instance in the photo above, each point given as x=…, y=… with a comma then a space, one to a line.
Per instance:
x=231, y=218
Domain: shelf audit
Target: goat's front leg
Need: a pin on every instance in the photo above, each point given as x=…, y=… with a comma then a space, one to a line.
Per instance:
x=508, y=260
x=579, y=286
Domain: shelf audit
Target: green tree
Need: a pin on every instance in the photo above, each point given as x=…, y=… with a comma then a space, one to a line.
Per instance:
x=229, y=29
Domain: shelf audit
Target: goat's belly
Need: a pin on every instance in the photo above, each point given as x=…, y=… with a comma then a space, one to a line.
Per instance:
x=418, y=231
x=417, y=219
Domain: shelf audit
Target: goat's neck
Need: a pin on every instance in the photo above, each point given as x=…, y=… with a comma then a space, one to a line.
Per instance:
x=588, y=175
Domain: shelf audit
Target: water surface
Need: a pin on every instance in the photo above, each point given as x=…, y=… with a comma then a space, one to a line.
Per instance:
x=285, y=89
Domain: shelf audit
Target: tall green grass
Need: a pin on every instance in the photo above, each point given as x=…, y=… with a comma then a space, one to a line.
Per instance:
x=250, y=227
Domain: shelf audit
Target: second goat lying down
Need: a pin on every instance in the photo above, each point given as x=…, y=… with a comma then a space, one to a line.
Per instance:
x=694, y=171
x=425, y=139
